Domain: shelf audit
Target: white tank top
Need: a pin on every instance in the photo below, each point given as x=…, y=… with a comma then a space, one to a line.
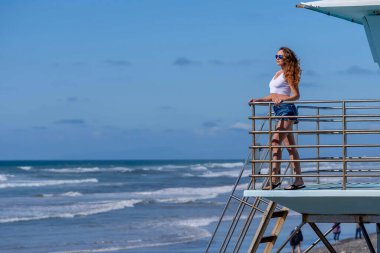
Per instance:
x=279, y=85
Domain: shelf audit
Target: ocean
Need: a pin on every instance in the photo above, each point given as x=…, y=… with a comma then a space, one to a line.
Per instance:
x=163, y=206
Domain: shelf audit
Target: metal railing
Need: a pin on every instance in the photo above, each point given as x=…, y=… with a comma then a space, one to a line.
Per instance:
x=341, y=127
x=243, y=210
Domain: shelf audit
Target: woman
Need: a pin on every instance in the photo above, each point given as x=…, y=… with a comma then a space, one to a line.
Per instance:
x=336, y=231
x=284, y=87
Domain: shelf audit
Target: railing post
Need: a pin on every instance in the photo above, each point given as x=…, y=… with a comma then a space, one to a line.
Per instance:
x=317, y=135
x=254, y=144
x=344, y=147
x=270, y=144
x=297, y=142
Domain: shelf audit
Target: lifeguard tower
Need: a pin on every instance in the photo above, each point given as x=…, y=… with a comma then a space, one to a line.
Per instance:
x=340, y=143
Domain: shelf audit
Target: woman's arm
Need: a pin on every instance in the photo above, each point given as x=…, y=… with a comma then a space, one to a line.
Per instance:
x=295, y=93
x=264, y=99
x=278, y=98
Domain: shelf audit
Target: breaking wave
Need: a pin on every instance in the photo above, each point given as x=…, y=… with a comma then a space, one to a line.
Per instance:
x=46, y=183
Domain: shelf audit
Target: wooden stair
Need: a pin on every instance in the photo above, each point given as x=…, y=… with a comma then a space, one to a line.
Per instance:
x=270, y=240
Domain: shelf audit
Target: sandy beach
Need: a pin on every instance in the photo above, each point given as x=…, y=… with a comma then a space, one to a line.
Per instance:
x=350, y=245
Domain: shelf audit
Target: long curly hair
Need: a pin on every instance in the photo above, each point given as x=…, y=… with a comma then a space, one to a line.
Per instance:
x=292, y=69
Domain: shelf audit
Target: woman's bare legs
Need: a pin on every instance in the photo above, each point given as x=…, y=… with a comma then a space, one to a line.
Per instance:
x=293, y=155
x=288, y=140
x=277, y=139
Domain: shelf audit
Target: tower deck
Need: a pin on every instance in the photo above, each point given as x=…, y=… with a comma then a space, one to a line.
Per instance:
x=338, y=141
x=325, y=199
x=338, y=146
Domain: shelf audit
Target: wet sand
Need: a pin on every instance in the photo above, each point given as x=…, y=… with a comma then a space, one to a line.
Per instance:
x=347, y=246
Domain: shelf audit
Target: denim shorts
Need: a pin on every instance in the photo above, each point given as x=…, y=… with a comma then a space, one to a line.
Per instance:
x=286, y=110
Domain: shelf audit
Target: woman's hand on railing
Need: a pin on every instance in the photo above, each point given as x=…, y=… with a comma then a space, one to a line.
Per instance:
x=251, y=100
x=277, y=99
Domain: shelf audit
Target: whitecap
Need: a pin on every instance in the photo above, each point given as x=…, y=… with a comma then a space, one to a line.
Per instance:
x=120, y=169
x=73, y=170
x=225, y=165
x=229, y=173
x=89, y=170
x=71, y=194
x=186, y=234
x=168, y=167
x=198, y=222
x=46, y=183
x=198, y=167
x=25, y=167
x=135, y=244
x=186, y=194
x=3, y=177
x=68, y=211
x=45, y=195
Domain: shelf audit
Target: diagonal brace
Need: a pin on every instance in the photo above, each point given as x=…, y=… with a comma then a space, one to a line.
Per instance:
x=322, y=237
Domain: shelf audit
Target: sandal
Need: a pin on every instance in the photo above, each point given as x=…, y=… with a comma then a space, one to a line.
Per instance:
x=274, y=186
x=295, y=187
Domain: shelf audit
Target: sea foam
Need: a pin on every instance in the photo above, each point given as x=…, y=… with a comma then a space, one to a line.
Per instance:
x=225, y=165
x=25, y=168
x=89, y=170
x=68, y=211
x=71, y=194
x=46, y=183
x=185, y=194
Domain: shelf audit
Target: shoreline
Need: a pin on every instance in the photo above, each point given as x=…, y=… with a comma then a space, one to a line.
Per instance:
x=349, y=245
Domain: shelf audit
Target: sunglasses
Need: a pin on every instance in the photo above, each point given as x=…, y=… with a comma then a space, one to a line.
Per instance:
x=279, y=56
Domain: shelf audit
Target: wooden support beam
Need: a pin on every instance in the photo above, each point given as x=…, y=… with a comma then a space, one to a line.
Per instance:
x=343, y=218
x=322, y=237
x=269, y=238
x=378, y=236
x=367, y=239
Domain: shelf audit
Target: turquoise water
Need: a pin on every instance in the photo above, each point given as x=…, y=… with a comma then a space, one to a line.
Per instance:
x=117, y=206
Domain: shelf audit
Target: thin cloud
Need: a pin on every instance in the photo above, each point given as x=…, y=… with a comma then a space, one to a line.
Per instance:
x=70, y=122
x=60, y=64
x=307, y=84
x=79, y=63
x=217, y=62
x=166, y=108
x=41, y=128
x=208, y=128
x=56, y=65
x=110, y=127
x=170, y=130
x=183, y=62
x=357, y=70
x=72, y=99
x=209, y=124
x=240, y=63
x=310, y=73
x=118, y=63
x=240, y=126
x=244, y=62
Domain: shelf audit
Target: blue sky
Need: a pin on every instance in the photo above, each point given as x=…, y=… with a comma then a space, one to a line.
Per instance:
x=160, y=79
